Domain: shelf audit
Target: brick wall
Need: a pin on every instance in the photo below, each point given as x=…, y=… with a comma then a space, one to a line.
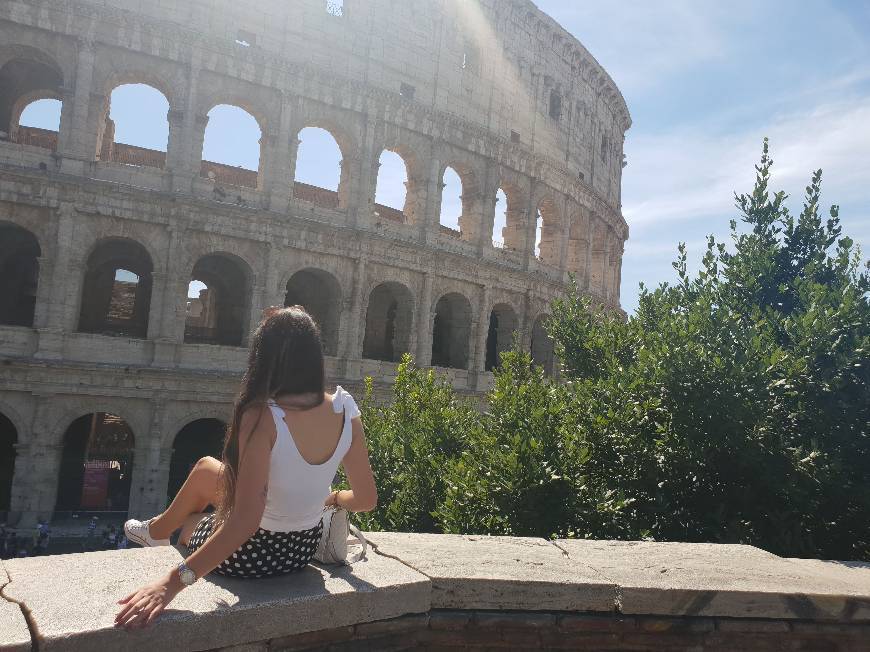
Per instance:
x=517, y=630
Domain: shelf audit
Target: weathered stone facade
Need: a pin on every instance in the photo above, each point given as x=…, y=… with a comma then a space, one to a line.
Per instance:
x=494, y=89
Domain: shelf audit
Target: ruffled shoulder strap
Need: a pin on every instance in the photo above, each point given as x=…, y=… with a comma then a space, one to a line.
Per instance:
x=344, y=401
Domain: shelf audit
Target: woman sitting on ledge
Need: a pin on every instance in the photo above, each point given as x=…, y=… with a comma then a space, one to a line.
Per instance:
x=269, y=489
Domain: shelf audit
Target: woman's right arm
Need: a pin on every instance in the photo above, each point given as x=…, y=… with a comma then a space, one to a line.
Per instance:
x=362, y=495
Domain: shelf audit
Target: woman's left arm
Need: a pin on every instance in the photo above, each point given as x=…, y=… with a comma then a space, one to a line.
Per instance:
x=142, y=607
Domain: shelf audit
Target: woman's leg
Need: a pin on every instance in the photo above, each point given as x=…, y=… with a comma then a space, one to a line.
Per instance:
x=198, y=492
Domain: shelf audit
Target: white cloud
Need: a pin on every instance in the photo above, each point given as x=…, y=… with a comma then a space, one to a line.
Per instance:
x=690, y=173
x=645, y=42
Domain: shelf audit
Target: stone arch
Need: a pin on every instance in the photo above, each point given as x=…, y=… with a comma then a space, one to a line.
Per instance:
x=198, y=438
x=319, y=292
x=329, y=194
x=391, y=198
x=512, y=235
x=28, y=75
x=108, y=147
x=408, y=145
x=470, y=216
x=389, y=322
x=96, y=464
x=542, y=345
x=19, y=274
x=8, y=441
x=226, y=173
x=548, y=225
x=116, y=292
x=219, y=312
x=503, y=323
x=451, y=331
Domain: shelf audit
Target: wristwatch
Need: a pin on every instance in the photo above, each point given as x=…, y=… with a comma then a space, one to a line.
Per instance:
x=186, y=575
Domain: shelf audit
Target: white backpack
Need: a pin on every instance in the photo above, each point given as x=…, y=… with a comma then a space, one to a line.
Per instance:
x=332, y=548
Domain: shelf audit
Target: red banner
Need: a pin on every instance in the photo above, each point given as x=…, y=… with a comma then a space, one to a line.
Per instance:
x=95, y=487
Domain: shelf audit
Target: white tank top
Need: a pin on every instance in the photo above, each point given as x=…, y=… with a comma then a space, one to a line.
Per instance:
x=297, y=489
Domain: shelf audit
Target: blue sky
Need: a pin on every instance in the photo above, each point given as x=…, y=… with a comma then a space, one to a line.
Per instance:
x=705, y=81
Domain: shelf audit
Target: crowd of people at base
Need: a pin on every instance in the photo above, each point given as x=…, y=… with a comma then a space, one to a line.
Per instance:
x=13, y=544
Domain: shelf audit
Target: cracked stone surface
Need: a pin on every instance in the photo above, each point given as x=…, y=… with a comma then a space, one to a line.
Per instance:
x=14, y=633
x=704, y=579
x=73, y=598
x=480, y=572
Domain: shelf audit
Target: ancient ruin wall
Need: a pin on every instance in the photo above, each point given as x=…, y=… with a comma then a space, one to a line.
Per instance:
x=495, y=90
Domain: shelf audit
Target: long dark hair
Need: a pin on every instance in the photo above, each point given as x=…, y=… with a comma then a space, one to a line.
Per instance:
x=286, y=357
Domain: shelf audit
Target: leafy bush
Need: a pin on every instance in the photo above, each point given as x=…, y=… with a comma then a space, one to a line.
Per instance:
x=734, y=406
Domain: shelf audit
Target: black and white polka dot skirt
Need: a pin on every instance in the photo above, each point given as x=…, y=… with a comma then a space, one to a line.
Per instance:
x=265, y=554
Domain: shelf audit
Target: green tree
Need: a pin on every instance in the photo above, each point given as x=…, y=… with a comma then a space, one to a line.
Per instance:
x=749, y=385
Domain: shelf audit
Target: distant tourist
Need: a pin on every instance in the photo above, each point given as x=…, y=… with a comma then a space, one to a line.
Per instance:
x=271, y=487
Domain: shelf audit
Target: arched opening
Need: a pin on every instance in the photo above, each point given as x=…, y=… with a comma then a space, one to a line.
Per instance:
x=116, y=296
x=391, y=192
x=499, y=222
x=318, y=168
x=320, y=294
x=547, y=233
x=499, y=338
x=29, y=82
x=19, y=275
x=200, y=438
x=509, y=225
x=8, y=440
x=542, y=346
x=451, y=203
x=231, y=147
x=136, y=129
x=388, y=322
x=578, y=250
x=451, y=331
x=96, y=464
x=39, y=124
x=217, y=301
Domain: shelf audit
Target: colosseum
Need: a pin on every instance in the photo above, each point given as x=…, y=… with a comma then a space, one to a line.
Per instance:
x=107, y=357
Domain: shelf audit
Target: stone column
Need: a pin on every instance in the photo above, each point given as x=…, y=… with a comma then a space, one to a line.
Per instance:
x=606, y=276
x=155, y=309
x=531, y=227
x=169, y=331
x=425, y=316
x=273, y=295
x=526, y=325
x=151, y=467
x=258, y=292
x=37, y=470
x=480, y=331
x=434, y=184
x=488, y=202
x=19, y=497
x=350, y=347
x=365, y=178
x=566, y=236
x=62, y=287
x=194, y=161
x=43, y=292
x=278, y=175
x=72, y=147
x=65, y=132
x=182, y=161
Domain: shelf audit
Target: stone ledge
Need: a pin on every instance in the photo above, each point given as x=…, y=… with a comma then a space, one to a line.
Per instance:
x=426, y=591
x=706, y=579
x=481, y=572
x=72, y=601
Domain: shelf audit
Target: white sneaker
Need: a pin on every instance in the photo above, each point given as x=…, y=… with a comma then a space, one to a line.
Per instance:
x=137, y=532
